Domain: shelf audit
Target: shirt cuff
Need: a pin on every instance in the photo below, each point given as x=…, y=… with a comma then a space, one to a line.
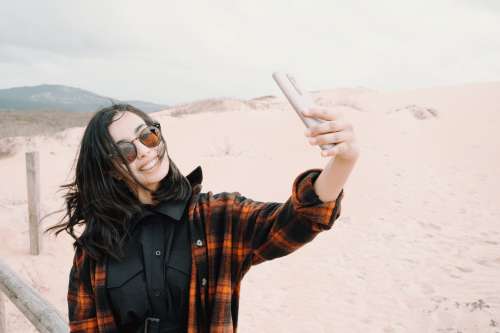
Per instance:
x=303, y=189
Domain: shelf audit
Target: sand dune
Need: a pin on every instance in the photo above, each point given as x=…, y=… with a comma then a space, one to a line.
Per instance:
x=417, y=248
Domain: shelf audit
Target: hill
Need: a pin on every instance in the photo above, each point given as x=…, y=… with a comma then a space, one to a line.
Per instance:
x=62, y=98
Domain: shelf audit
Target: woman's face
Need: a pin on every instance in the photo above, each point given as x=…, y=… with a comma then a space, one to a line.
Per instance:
x=127, y=126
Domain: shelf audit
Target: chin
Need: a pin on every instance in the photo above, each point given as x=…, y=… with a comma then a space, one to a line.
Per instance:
x=153, y=178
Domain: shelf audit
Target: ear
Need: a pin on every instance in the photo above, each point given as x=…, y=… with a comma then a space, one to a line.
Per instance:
x=114, y=172
x=115, y=175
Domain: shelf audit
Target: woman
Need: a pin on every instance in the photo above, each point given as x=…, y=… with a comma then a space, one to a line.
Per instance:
x=158, y=255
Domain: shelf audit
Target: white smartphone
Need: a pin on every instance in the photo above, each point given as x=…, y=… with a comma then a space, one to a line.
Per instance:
x=300, y=100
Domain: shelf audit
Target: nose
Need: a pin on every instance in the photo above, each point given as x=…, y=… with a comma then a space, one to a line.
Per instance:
x=142, y=150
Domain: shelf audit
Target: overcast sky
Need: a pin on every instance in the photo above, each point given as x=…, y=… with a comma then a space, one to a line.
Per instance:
x=178, y=51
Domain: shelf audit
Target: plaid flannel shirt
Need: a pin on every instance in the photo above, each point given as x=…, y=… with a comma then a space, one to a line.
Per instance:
x=229, y=233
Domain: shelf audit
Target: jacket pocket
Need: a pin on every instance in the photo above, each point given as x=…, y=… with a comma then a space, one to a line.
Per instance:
x=126, y=287
x=177, y=277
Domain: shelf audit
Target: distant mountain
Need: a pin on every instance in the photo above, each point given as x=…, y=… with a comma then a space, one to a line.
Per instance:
x=59, y=97
x=146, y=106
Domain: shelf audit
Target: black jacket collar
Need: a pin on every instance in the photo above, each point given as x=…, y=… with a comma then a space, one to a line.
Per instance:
x=174, y=209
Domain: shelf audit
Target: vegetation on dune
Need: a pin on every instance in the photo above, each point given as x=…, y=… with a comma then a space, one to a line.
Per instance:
x=31, y=123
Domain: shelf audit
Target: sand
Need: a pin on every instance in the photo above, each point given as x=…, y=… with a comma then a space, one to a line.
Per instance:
x=416, y=249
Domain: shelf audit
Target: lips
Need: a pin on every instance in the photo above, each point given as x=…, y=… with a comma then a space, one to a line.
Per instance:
x=149, y=165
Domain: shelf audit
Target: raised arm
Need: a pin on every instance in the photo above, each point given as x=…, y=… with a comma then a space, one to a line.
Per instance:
x=259, y=231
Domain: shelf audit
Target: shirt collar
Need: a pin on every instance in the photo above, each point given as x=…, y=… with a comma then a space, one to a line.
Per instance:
x=196, y=176
x=175, y=209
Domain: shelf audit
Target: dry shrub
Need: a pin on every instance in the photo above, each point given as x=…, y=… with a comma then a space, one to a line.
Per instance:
x=47, y=122
x=420, y=112
x=8, y=147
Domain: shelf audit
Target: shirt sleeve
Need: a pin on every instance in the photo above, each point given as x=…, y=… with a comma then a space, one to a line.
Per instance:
x=267, y=230
x=81, y=306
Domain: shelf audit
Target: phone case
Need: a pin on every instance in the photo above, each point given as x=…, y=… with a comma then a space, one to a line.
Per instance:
x=299, y=99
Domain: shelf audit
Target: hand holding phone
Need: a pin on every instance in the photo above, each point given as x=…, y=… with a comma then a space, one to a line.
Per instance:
x=300, y=100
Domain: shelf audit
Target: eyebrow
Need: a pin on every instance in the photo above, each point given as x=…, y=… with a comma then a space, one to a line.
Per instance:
x=139, y=127
x=135, y=131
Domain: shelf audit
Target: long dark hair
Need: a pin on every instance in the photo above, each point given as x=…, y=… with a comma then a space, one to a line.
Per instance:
x=101, y=202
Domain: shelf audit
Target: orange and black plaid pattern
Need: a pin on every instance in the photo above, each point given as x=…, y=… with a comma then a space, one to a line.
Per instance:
x=229, y=233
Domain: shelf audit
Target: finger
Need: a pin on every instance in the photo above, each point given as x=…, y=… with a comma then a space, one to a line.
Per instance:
x=327, y=127
x=323, y=113
x=338, y=149
x=336, y=137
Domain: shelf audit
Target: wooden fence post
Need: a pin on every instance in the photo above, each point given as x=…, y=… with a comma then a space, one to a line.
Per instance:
x=3, y=314
x=33, y=181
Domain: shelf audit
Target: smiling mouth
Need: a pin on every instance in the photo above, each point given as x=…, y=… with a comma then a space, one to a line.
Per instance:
x=151, y=165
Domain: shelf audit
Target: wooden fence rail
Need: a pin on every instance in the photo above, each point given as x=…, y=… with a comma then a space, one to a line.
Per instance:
x=39, y=312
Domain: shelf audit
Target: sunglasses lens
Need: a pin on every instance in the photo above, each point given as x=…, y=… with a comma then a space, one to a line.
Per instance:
x=150, y=136
x=128, y=151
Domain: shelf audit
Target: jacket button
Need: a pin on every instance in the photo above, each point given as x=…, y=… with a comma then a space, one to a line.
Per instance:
x=157, y=252
x=203, y=282
x=157, y=293
x=199, y=243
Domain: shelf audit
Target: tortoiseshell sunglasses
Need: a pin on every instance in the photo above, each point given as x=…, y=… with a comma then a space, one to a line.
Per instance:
x=150, y=136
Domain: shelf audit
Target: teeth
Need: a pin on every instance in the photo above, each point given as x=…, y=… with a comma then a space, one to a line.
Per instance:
x=150, y=165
